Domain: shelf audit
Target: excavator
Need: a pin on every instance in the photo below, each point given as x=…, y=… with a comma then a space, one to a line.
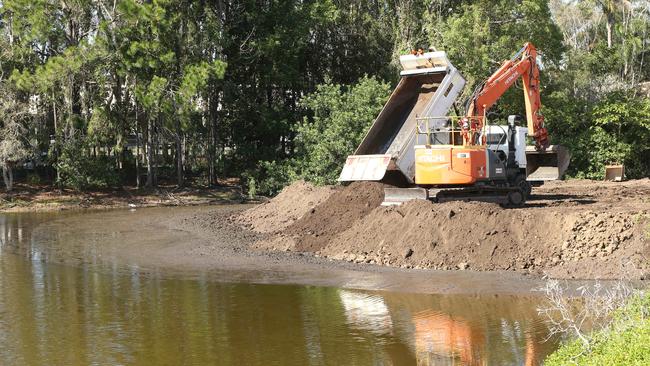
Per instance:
x=465, y=157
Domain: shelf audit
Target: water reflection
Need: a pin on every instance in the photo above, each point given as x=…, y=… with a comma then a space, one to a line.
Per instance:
x=452, y=329
x=57, y=314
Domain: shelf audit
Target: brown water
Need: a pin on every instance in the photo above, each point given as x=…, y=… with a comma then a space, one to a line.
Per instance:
x=63, y=302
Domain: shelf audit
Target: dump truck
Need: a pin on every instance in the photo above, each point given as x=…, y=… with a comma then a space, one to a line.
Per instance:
x=428, y=87
x=415, y=145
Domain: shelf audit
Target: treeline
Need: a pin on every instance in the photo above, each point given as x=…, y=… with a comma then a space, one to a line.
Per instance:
x=97, y=93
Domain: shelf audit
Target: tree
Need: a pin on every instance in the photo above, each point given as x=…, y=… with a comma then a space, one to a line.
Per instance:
x=14, y=147
x=120, y=85
x=156, y=48
x=610, y=8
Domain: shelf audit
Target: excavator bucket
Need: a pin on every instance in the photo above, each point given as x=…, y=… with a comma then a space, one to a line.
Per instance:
x=547, y=165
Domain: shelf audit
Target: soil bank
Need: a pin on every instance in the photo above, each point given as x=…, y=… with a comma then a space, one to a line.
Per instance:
x=569, y=229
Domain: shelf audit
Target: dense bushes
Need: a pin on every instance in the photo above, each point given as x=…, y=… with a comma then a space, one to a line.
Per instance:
x=79, y=170
x=340, y=117
x=612, y=130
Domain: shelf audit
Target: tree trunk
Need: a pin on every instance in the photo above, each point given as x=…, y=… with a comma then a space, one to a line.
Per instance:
x=179, y=155
x=150, y=154
x=8, y=176
x=56, y=134
x=610, y=26
x=137, y=150
x=212, y=176
x=212, y=140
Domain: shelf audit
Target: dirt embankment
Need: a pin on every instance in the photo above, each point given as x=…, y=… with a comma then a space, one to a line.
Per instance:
x=574, y=229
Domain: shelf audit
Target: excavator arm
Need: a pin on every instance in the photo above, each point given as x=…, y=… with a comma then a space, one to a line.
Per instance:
x=524, y=65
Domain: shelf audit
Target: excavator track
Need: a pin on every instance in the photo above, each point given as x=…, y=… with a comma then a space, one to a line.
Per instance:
x=508, y=197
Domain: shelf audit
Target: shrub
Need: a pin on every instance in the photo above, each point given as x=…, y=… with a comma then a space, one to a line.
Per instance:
x=78, y=170
x=626, y=341
x=340, y=117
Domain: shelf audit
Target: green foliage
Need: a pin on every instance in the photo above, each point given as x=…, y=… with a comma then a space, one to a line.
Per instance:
x=195, y=78
x=613, y=130
x=340, y=120
x=340, y=117
x=271, y=176
x=625, y=342
x=79, y=170
x=34, y=179
x=484, y=33
x=103, y=71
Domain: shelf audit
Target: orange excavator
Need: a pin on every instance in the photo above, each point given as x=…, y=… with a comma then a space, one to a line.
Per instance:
x=469, y=159
x=522, y=65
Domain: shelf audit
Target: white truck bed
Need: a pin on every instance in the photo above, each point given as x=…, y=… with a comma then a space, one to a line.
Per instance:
x=428, y=88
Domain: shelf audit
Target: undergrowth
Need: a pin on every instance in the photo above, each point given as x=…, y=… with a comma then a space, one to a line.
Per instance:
x=624, y=340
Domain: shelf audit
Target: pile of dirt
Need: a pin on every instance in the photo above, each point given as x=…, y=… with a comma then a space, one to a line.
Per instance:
x=321, y=224
x=575, y=229
x=480, y=236
x=335, y=215
x=287, y=207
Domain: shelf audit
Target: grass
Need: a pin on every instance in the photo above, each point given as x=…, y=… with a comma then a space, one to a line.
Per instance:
x=625, y=342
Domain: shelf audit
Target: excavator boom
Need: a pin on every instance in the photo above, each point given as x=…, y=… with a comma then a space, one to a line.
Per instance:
x=523, y=65
x=493, y=163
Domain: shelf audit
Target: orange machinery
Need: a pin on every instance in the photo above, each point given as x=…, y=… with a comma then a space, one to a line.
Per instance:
x=479, y=162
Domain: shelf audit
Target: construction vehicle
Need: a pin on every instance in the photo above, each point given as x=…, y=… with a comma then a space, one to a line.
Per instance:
x=428, y=87
x=462, y=157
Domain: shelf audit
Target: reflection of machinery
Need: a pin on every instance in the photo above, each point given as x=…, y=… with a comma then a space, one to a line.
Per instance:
x=453, y=332
x=441, y=339
x=366, y=312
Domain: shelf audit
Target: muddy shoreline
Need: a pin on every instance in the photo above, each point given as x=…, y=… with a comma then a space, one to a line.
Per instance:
x=594, y=230
x=184, y=243
x=28, y=198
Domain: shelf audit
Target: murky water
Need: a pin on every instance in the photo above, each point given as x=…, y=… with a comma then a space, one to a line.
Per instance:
x=90, y=310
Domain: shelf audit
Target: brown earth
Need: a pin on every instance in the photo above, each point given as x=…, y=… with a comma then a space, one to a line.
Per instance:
x=293, y=202
x=317, y=225
x=574, y=229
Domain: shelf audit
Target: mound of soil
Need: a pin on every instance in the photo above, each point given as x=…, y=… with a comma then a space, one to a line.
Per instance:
x=575, y=229
x=287, y=207
x=336, y=214
x=480, y=236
